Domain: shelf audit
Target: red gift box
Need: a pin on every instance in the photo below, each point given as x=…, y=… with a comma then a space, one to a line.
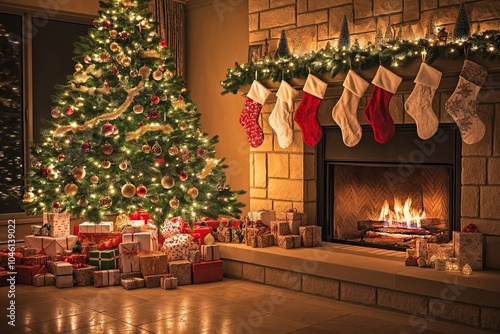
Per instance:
x=198, y=232
x=139, y=215
x=204, y=272
x=4, y=258
x=25, y=273
x=104, y=241
x=213, y=223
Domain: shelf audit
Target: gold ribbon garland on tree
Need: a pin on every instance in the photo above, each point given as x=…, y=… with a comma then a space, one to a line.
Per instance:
x=165, y=129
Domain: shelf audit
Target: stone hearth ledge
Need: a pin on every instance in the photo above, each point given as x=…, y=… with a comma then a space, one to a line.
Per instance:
x=374, y=268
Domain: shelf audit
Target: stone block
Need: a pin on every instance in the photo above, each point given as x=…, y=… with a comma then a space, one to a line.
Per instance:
x=364, y=25
x=483, y=10
x=489, y=318
x=282, y=206
x=253, y=272
x=302, y=40
x=310, y=18
x=252, y=169
x=278, y=165
x=336, y=16
x=281, y=3
x=299, y=206
x=484, y=146
x=266, y=146
x=309, y=166
x=259, y=204
x=411, y=10
x=297, y=145
x=428, y=4
x=277, y=17
x=401, y=301
x=301, y=6
x=311, y=191
x=494, y=171
x=457, y=312
x=257, y=5
x=473, y=171
x=322, y=34
x=253, y=22
x=358, y=293
x=258, y=192
x=363, y=8
x=283, y=278
x=490, y=199
x=491, y=251
x=396, y=108
x=320, y=286
x=264, y=124
x=232, y=268
x=320, y=4
x=470, y=201
x=296, y=166
x=258, y=36
x=288, y=190
x=260, y=171
x=446, y=15
x=384, y=7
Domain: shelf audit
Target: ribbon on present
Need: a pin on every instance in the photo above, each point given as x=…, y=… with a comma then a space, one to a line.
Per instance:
x=155, y=260
x=130, y=253
x=42, y=251
x=42, y=271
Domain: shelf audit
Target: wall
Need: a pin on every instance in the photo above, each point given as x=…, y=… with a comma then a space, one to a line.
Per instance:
x=217, y=36
x=52, y=7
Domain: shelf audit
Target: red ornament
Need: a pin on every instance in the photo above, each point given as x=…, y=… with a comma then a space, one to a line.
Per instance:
x=155, y=99
x=61, y=157
x=163, y=43
x=69, y=110
x=44, y=171
x=200, y=152
x=106, y=24
x=107, y=149
x=140, y=124
x=141, y=191
x=87, y=59
x=108, y=129
x=183, y=176
x=159, y=160
x=86, y=146
x=56, y=205
x=124, y=35
x=154, y=113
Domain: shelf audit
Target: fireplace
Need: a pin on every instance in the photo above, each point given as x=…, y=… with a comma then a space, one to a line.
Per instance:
x=389, y=195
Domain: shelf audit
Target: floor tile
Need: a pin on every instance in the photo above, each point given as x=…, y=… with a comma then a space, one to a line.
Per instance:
x=49, y=310
x=81, y=321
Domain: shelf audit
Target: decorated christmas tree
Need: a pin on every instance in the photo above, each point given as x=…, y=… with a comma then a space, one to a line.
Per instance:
x=125, y=134
x=344, y=37
x=283, y=50
x=462, y=27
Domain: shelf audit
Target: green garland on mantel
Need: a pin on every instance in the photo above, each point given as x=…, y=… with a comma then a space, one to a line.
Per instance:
x=333, y=61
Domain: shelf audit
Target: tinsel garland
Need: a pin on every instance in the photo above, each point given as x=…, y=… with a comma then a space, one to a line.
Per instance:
x=333, y=61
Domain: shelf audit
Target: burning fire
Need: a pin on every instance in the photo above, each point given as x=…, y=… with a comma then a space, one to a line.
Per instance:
x=401, y=215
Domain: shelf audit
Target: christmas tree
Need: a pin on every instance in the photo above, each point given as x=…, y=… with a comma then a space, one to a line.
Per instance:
x=11, y=132
x=462, y=27
x=344, y=38
x=125, y=133
x=282, y=50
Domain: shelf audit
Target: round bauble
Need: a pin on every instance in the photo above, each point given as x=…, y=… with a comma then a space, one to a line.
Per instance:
x=128, y=190
x=200, y=152
x=169, y=75
x=56, y=145
x=28, y=197
x=173, y=150
x=34, y=162
x=52, y=176
x=69, y=110
x=79, y=101
x=78, y=173
x=106, y=164
x=123, y=165
x=193, y=192
x=107, y=149
x=154, y=199
x=163, y=43
x=106, y=24
x=124, y=35
x=154, y=114
x=155, y=99
x=61, y=157
x=114, y=47
x=141, y=191
x=78, y=67
x=113, y=33
x=183, y=126
x=167, y=181
x=105, y=57
x=55, y=113
x=164, y=97
x=144, y=72
x=184, y=90
x=94, y=179
x=108, y=129
x=71, y=189
x=82, y=202
x=158, y=75
x=87, y=59
x=126, y=61
x=86, y=147
x=44, y=171
x=56, y=205
x=146, y=148
x=174, y=203
x=183, y=176
x=126, y=3
x=134, y=73
x=156, y=149
x=106, y=202
x=138, y=109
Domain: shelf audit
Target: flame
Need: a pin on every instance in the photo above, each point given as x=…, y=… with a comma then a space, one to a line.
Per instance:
x=402, y=215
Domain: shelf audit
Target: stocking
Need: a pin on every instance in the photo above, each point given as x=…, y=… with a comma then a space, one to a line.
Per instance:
x=462, y=103
x=249, y=118
x=377, y=109
x=419, y=104
x=345, y=111
x=307, y=112
x=279, y=118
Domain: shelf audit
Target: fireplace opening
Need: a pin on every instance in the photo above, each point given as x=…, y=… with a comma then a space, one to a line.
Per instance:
x=389, y=195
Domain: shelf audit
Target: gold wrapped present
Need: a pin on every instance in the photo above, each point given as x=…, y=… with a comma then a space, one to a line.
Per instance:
x=152, y=281
x=265, y=240
x=84, y=276
x=286, y=241
x=44, y=280
x=210, y=252
x=64, y=281
x=133, y=283
x=194, y=256
x=310, y=235
x=168, y=282
x=153, y=264
x=181, y=270
x=106, y=277
x=137, y=274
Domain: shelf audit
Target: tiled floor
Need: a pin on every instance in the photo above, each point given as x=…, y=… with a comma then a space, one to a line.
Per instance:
x=230, y=306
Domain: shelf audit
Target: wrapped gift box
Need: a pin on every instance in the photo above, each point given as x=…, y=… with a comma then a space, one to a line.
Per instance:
x=194, y=256
x=177, y=247
x=137, y=274
x=104, y=260
x=294, y=227
x=133, y=283
x=250, y=233
x=168, y=282
x=25, y=273
x=88, y=247
x=310, y=235
x=253, y=242
x=59, y=223
x=181, y=270
x=210, y=252
x=129, y=257
x=153, y=281
x=44, y=279
x=202, y=231
x=106, y=278
x=469, y=249
x=148, y=240
x=237, y=235
x=224, y=234
x=28, y=251
x=36, y=259
x=139, y=215
x=131, y=226
x=50, y=246
x=102, y=240
x=61, y=268
x=214, y=224
x=279, y=228
x=292, y=215
x=421, y=248
x=205, y=272
x=84, y=276
x=266, y=216
x=64, y=281
x=297, y=241
x=265, y=240
x=36, y=229
x=4, y=259
x=153, y=264
x=103, y=227
x=286, y=241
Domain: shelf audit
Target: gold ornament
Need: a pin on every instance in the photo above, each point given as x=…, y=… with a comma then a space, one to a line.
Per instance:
x=78, y=67
x=174, y=203
x=126, y=61
x=173, y=150
x=193, y=192
x=105, y=57
x=155, y=199
x=114, y=47
x=113, y=33
x=138, y=109
x=55, y=113
x=79, y=101
x=123, y=165
x=179, y=103
x=106, y=164
x=28, y=197
x=156, y=149
x=128, y=190
x=94, y=179
x=209, y=239
x=146, y=148
x=168, y=75
x=71, y=189
x=52, y=176
x=144, y=72
x=183, y=126
x=126, y=3
x=83, y=202
x=78, y=173
x=134, y=73
x=167, y=181
x=158, y=75
x=106, y=201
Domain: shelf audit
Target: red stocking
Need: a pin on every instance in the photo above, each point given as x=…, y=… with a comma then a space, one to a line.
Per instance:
x=307, y=112
x=377, y=109
x=249, y=118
